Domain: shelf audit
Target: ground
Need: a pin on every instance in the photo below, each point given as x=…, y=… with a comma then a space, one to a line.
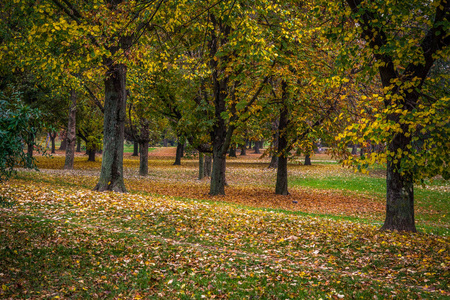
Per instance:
x=169, y=239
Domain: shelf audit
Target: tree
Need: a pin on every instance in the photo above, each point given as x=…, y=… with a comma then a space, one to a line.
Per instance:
x=16, y=121
x=71, y=133
x=405, y=44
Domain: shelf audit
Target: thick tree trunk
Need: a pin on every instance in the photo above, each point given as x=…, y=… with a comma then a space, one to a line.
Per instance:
x=307, y=160
x=179, y=154
x=52, y=140
x=111, y=175
x=71, y=133
x=91, y=154
x=281, y=187
x=208, y=165
x=201, y=166
x=221, y=132
x=257, y=147
x=135, y=148
x=354, y=149
x=243, y=150
x=143, y=158
x=218, y=175
x=232, y=152
x=399, y=190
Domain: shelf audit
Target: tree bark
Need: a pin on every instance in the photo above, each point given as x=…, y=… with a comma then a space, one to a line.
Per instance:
x=78, y=145
x=281, y=187
x=135, y=148
x=400, y=201
x=111, y=175
x=208, y=165
x=274, y=161
x=399, y=188
x=52, y=140
x=257, y=146
x=232, y=152
x=218, y=181
x=243, y=150
x=91, y=154
x=30, y=148
x=143, y=158
x=63, y=141
x=307, y=160
x=354, y=149
x=201, y=166
x=71, y=133
x=179, y=153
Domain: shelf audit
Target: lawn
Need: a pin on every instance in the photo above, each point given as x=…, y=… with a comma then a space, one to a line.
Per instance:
x=169, y=239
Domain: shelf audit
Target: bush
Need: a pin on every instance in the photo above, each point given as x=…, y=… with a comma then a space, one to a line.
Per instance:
x=19, y=124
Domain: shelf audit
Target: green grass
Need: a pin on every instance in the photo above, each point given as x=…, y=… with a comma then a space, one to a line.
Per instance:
x=356, y=183
x=129, y=148
x=425, y=197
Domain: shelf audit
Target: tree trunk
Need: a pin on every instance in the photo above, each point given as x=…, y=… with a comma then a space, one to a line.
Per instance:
x=354, y=149
x=71, y=133
x=91, y=154
x=221, y=132
x=178, y=154
x=52, y=139
x=78, y=145
x=143, y=158
x=243, y=150
x=218, y=175
x=30, y=148
x=63, y=141
x=273, y=162
x=281, y=187
x=165, y=144
x=232, y=152
x=111, y=175
x=257, y=146
x=208, y=165
x=399, y=189
x=307, y=160
x=201, y=166
x=135, y=148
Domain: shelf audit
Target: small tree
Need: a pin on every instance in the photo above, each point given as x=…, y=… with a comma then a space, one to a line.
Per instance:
x=17, y=120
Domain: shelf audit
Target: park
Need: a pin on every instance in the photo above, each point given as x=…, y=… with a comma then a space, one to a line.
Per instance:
x=227, y=149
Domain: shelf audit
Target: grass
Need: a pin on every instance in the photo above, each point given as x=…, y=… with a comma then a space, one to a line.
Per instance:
x=426, y=196
x=129, y=148
x=59, y=239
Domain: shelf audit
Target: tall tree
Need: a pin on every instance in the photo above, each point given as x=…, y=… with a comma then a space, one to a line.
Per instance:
x=71, y=133
x=402, y=42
